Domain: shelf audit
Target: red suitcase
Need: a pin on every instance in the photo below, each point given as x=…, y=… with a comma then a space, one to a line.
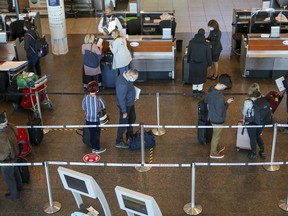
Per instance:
x=274, y=99
x=23, y=142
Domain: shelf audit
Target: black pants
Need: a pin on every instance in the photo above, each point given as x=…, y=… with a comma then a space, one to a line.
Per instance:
x=130, y=119
x=255, y=136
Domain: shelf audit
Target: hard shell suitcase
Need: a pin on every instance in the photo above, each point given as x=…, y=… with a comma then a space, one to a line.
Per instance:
x=204, y=134
x=274, y=99
x=185, y=70
x=242, y=139
x=109, y=75
x=35, y=134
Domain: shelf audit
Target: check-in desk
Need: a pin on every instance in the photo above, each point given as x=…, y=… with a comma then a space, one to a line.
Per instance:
x=153, y=56
x=264, y=57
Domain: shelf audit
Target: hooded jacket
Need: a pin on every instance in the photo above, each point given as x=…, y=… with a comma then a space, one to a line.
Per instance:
x=8, y=144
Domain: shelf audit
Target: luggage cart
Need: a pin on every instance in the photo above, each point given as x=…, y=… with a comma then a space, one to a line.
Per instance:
x=29, y=100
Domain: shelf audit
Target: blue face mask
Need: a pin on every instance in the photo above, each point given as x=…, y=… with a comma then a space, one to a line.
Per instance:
x=132, y=80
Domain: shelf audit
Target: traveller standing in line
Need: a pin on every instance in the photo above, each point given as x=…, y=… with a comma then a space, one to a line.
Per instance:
x=199, y=57
x=92, y=105
x=254, y=133
x=126, y=96
x=9, y=151
x=89, y=73
x=29, y=45
x=214, y=39
x=121, y=54
x=108, y=22
x=217, y=108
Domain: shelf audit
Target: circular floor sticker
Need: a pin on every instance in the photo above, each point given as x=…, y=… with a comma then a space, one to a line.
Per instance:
x=91, y=158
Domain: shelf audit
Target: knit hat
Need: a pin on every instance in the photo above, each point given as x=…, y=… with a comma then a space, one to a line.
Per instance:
x=3, y=120
x=201, y=31
x=225, y=79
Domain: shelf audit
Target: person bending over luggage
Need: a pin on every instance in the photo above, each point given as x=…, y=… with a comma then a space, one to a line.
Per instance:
x=92, y=105
x=199, y=57
x=217, y=107
x=89, y=73
x=126, y=96
x=254, y=133
x=121, y=54
x=9, y=151
x=29, y=46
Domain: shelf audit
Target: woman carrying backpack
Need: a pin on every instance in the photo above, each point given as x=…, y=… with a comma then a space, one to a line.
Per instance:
x=248, y=113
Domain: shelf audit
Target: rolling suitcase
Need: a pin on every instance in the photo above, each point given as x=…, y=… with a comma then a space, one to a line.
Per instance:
x=242, y=139
x=109, y=75
x=274, y=99
x=204, y=135
x=185, y=70
x=4, y=82
x=35, y=134
x=23, y=142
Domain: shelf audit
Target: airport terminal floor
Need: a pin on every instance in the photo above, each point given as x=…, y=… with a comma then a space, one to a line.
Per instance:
x=220, y=190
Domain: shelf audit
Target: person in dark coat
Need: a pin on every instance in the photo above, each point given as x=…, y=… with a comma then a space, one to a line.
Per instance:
x=214, y=40
x=199, y=59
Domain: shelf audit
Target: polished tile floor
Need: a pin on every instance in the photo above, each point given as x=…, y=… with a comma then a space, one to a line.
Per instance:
x=220, y=190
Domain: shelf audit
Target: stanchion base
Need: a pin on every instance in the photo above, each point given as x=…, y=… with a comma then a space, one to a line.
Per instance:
x=192, y=211
x=283, y=205
x=142, y=169
x=52, y=209
x=158, y=131
x=271, y=168
x=46, y=130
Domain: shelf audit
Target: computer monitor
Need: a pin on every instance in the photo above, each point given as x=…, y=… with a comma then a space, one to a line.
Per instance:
x=136, y=203
x=82, y=184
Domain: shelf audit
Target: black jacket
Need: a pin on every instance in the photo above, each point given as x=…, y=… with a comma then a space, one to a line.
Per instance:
x=29, y=43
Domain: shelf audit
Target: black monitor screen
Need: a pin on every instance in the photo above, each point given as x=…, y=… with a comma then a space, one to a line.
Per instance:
x=135, y=205
x=76, y=184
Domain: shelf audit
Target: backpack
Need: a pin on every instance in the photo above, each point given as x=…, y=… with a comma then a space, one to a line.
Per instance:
x=40, y=47
x=262, y=112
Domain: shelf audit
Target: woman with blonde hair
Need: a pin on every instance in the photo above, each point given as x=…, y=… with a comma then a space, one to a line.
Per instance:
x=90, y=73
x=248, y=113
x=121, y=53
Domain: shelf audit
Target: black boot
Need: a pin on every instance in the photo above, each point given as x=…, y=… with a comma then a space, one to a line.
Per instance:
x=262, y=154
x=252, y=155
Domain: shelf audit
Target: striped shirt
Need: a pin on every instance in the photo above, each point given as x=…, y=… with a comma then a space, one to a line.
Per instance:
x=90, y=105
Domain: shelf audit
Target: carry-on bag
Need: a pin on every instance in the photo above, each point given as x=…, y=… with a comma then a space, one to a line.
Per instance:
x=242, y=138
x=109, y=76
x=204, y=135
x=35, y=134
x=4, y=82
x=24, y=170
x=274, y=99
x=85, y=135
x=134, y=142
x=23, y=142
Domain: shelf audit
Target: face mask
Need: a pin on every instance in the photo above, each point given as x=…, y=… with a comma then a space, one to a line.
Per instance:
x=211, y=28
x=132, y=80
x=25, y=28
x=8, y=22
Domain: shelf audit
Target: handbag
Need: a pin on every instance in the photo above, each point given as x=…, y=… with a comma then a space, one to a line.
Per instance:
x=102, y=114
x=134, y=142
x=91, y=59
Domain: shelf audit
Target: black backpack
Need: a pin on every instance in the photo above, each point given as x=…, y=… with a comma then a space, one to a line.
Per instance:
x=40, y=46
x=262, y=112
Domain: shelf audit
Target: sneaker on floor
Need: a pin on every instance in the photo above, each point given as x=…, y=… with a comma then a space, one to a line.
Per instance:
x=220, y=148
x=217, y=155
x=262, y=154
x=252, y=156
x=121, y=145
x=98, y=151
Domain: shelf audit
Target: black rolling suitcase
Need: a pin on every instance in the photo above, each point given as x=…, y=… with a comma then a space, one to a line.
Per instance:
x=204, y=134
x=109, y=75
x=185, y=70
x=4, y=82
x=35, y=134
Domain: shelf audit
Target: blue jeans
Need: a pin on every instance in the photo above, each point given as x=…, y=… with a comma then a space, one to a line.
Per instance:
x=12, y=178
x=130, y=119
x=34, y=62
x=94, y=135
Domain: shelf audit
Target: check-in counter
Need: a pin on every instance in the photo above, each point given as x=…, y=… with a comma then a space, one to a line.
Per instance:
x=153, y=56
x=264, y=57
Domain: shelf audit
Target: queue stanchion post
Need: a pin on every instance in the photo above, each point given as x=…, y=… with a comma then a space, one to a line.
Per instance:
x=158, y=131
x=283, y=204
x=142, y=168
x=191, y=208
x=271, y=167
x=52, y=206
x=45, y=130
